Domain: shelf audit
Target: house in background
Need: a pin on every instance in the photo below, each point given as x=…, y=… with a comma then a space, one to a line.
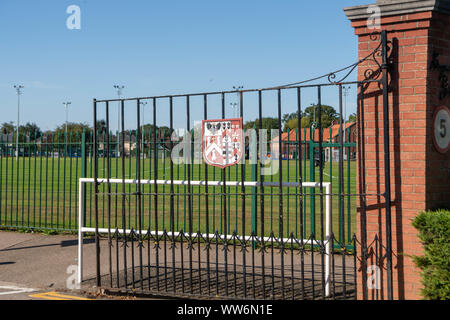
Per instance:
x=310, y=138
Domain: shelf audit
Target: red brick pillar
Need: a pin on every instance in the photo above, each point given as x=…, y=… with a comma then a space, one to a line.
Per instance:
x=420, y=175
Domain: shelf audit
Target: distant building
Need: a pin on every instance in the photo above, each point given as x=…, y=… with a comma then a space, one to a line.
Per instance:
x=289, y=141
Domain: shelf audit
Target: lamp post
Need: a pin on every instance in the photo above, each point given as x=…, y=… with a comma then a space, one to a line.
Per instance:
x=119, y=95
x=19, y=92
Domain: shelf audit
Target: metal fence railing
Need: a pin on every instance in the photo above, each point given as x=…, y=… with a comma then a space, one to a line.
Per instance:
x=39, y=187
x=38, y=184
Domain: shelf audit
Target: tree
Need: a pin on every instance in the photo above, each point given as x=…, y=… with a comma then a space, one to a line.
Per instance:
x=352, y=117
x=328, y=114
x=74, y=130
x=267, y=123
x=8, y=127
x=292, y=124
x=288, y=117
x=101, y=127
x=31, y=130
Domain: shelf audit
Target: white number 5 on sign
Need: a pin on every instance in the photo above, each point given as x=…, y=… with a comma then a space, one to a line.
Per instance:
x=441, y=129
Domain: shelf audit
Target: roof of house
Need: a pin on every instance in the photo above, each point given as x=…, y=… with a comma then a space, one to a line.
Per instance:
x=332, y=132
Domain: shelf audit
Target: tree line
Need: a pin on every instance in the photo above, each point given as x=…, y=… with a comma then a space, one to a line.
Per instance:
x=289, y=121
x=32, y=132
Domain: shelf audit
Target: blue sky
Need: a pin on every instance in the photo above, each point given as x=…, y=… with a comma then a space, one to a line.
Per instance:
x=162, y=47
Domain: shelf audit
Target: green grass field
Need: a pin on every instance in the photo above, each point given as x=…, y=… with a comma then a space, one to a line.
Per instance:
x=42, y=192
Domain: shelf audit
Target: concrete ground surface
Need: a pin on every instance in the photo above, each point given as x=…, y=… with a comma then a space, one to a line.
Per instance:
x=34, y=266
x=39, y=266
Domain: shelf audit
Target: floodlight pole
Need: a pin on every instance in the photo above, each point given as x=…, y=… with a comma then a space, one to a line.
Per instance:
x=19, y=92
x=237, y=105
x=66, y=104
x=233, y=107
x=119, y=95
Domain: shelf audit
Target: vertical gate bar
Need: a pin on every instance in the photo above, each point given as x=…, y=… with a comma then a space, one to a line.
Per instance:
x=34, y=177
x=362, y=174
x=16, y=209
x=90, y=155
x=354, y=266
x=348, y=192
x=12, y=193
x=233, y=239
x=292, y=266
x=387, y=161
x=23, y=176
x=297, y=144
x=208, y=281
x=64, y=183
x=143, y=162
x=52, y=184
x=261, y=188
x=149, y=265
x=139, y=191
x=341, y=194
x=150, y=142
x=224, y=213
x=97, y=235
x=272, y=267
x=287, y=154
x=333, y=268
x=319, y=92
x=46, y=180
x=83, y=174
x=280, y=192
x=172, y=218
x=155, y=177
x=162, y=145
x=305, y=158
x=216, y=235
x=188, y=127
x=132, y=233
x=103, y=133
x=58, y=165
x=116, y=198
x=6, y=180
x=299, y=153
x=124, y=223
x=2, y=175
x=241, y=97
x=70, y=178
x=129, y=185
x=108, y=176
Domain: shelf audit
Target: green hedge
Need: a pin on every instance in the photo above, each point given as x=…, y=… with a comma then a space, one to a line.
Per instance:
x=434, y=233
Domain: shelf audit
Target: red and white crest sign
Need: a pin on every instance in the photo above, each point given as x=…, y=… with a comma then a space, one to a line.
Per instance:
x=222, y=142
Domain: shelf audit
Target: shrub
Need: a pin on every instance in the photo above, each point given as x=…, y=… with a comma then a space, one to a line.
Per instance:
x=434, y=233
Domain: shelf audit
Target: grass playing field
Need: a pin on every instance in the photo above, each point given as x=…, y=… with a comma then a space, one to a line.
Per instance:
x=42, y=192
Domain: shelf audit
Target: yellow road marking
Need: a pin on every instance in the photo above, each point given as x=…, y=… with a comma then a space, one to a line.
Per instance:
x=52, y=295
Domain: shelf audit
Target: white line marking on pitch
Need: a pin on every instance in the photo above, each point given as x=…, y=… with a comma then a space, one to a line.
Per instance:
x=15, y=290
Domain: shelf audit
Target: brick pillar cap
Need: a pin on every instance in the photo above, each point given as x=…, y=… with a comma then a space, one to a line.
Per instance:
x=398, y=7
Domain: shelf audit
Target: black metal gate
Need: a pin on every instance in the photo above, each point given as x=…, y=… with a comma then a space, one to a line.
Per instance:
x=280, y=225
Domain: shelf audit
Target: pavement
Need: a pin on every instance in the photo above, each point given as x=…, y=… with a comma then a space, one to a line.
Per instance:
x=35, y=266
